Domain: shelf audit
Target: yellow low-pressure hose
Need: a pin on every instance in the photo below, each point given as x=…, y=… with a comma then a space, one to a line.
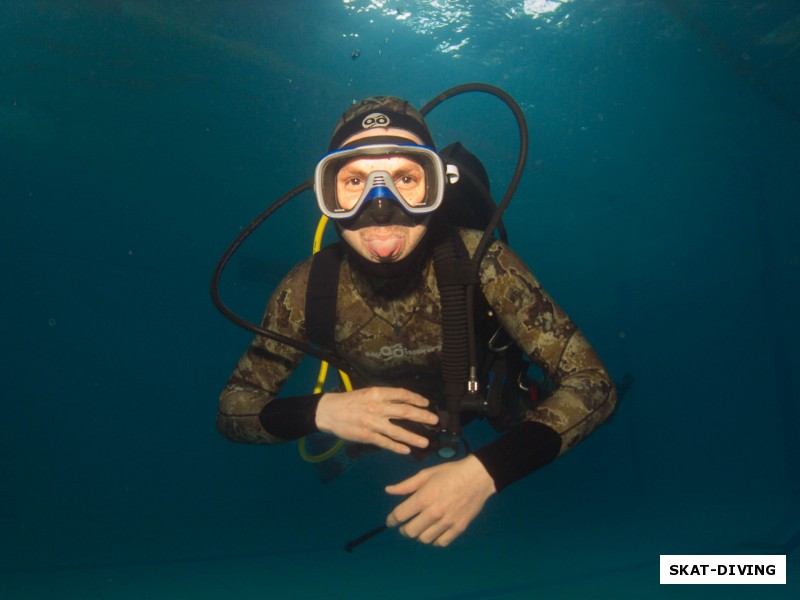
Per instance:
x=323, y=374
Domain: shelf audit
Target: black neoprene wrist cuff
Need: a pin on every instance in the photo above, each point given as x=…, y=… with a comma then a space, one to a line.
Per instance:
x=291, y=418
x=525, y=448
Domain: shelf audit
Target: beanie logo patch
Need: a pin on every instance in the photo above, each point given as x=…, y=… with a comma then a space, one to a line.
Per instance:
x=375, y=120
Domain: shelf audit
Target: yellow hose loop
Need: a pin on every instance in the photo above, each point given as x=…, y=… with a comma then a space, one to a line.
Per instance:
x=346, y=381
x=323, y=374
x=301, y=444
x=316, y=458
x=333, y=450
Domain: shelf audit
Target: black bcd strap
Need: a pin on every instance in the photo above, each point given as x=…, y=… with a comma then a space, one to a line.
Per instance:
x=322, y=291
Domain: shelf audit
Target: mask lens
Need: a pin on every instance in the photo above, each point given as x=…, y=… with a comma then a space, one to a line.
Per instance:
x=412, y=176
x=403, y=181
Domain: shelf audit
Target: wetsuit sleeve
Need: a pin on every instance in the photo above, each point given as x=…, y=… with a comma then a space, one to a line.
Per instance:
x=249, y=410
x=584, y=394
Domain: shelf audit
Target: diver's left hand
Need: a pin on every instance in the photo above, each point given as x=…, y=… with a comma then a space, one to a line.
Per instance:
x=444, y=501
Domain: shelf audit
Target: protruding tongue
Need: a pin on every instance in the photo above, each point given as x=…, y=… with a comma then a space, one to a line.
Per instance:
x=385, y=247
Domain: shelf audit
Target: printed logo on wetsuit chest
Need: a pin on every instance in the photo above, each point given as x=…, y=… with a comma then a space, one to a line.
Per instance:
x=400, y=351
x=375, y=120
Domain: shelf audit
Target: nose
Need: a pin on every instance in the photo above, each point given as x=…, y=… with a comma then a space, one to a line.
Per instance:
x=381, y=210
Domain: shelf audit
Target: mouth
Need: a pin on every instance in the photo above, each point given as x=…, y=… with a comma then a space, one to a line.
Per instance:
x=384, y=247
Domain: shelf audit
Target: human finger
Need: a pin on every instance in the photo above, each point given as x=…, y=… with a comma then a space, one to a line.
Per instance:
x=432, y=528
x=400, y=404
x=404, y=436
x=389, y=444
x=398, y=516
x=405, y=412
x=393, y=438
x=418, y=524
x=407, y=486
x=409, y=508
x=436, y=533
x=404, y=396
x=448, y=536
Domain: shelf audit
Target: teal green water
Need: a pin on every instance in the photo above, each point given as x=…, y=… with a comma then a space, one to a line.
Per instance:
x=659, y=207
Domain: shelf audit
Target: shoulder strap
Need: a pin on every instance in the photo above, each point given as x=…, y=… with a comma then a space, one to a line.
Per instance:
x=456, y=286
x=322, y=292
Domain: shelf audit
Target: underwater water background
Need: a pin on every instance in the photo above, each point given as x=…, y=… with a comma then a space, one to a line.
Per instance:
x=660, y=207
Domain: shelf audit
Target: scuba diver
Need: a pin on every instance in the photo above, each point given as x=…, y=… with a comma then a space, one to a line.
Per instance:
x=431, y=324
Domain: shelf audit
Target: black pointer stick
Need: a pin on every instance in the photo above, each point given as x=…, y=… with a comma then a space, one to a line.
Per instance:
x=349, y=546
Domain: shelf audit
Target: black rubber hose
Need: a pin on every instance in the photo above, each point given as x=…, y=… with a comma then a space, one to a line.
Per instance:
x=522, y=157
x=245, y=324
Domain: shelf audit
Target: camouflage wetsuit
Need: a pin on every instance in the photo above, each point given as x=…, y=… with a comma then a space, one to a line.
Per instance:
x=393, y=337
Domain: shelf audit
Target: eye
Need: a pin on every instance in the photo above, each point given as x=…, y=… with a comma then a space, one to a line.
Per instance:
x=353, y=183
x=406, y=181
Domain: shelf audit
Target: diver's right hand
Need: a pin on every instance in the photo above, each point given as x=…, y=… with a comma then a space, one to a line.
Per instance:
x=364, y=416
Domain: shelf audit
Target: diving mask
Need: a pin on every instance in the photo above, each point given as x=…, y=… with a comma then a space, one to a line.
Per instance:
x=411, y=175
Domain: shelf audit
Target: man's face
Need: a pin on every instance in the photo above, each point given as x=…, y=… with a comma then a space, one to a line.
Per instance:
x=407, y=175
x=382, y=243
